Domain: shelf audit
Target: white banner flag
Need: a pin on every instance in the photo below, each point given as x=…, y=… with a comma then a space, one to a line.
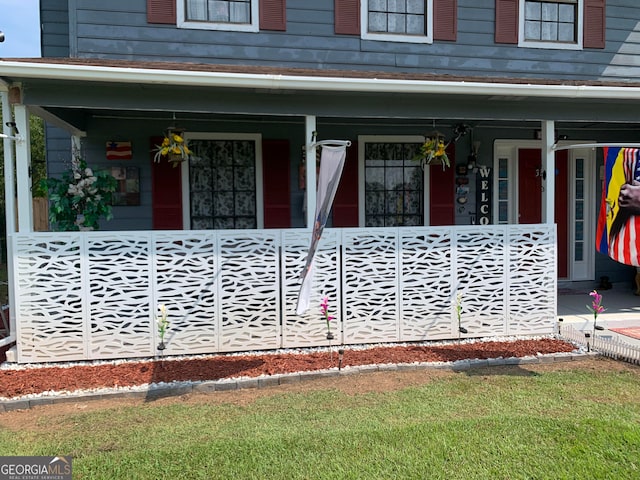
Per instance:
x=331, y=164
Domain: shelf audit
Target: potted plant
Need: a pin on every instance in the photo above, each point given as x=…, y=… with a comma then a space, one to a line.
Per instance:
x=433, y=151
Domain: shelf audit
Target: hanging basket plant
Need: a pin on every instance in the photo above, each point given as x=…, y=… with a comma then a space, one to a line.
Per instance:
x=433, y=151
x=173, y=147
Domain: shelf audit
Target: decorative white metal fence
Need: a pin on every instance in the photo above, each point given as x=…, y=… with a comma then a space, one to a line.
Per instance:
x=603, y=344
x=94, y=295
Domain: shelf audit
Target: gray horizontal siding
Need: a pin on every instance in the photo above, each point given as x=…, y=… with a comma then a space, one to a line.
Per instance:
x=118, y=30
x=54, y=18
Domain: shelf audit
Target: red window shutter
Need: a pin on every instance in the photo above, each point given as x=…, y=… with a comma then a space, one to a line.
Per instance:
x=594, y=23
x=507, y=15
x=347, y=17
x=273, y=15
x=166, y=193
x=276, y=183
x=345, y=203
x=161, y=11
x=442, y=192
x=445, y=20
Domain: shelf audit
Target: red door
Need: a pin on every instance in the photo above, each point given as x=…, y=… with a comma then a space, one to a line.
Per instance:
x=442, y=192
x=530, y=197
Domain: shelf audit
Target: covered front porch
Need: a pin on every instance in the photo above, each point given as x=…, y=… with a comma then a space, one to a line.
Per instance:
x=95, y=294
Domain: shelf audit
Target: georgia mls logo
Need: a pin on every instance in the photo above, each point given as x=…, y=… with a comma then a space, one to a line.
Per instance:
x=35, y=468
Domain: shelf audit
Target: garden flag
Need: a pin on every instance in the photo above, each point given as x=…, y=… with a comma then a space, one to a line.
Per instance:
x=618, y=232
x=119, y=151
x=331, y=164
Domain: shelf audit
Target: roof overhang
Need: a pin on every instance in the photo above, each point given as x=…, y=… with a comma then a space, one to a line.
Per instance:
x=22, y=70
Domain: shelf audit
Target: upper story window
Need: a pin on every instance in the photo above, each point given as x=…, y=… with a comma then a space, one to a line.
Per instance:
x=238, y=15
x=397, y=20
x=551, y=24
x=568, y=24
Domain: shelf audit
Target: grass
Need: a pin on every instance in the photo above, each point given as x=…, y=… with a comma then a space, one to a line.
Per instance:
x=577, y=422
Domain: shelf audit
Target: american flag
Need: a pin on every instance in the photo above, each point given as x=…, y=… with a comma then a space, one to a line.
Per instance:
x=119, y=151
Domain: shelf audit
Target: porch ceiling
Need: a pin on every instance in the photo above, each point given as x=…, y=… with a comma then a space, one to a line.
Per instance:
x=75, y=90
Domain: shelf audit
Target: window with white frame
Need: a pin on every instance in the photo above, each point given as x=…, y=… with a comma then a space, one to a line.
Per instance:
x=238, y=15
x=551, y=23
x=393, y=182
x=223, y=187
x=397, y=20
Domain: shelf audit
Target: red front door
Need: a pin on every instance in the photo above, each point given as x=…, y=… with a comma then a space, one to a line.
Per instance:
x=530, y=197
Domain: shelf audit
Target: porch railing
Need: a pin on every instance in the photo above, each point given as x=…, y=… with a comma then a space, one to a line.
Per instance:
x=94, y=295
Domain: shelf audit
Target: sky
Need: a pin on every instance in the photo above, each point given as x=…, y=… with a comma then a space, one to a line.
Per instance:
x=20, y=23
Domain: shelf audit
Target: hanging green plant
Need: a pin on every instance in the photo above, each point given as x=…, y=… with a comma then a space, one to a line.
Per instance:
x=80, y=197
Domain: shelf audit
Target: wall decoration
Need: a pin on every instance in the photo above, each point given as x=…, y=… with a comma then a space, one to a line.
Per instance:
x=119, y=151
x=128, y=186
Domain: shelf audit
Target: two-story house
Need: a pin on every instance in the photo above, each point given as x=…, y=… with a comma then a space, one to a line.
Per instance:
x=525, y=93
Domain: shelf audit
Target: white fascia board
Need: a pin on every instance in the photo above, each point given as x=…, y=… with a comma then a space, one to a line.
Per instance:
x=90, y=73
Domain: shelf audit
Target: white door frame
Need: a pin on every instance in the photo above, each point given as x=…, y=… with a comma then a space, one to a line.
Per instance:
x=507, y=151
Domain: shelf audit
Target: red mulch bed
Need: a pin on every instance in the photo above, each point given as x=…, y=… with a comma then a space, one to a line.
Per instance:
x=15, y=383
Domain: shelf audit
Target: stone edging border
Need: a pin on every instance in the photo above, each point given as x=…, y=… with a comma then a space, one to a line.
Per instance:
x=155, y=392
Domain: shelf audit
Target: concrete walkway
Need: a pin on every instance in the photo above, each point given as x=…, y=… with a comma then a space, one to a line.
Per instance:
x=622, y=308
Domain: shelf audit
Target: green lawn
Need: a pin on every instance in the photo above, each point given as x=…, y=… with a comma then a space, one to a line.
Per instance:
x=574, y=422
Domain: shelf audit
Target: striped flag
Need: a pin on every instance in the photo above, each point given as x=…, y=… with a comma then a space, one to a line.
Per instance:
x=119, y=151
x=331, y=164
x=618, y=230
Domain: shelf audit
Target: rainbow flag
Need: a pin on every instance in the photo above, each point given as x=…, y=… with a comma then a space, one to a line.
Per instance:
x=618, y=230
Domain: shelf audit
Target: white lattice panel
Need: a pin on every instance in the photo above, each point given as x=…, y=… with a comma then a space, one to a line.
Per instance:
x=310, y=329
x=95, y=294
x=50, y=320
x=532, y=273
x=370, y=289
x=481, y=279
x=120, y=295
x=249, y=289
x=186, y=274
x=426, y=284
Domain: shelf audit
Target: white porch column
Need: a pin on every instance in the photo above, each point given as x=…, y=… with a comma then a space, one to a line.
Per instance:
x=23, y=171
x=310, y=180
x=548, y=166
x=9, y=180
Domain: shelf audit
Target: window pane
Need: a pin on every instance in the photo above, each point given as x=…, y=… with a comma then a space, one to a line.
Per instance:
x=374, y=177
x=550, y=31
x=549, y=12
x=566, y=13
x=415, y=24
x=533, y=11
x=415, y=6
x=196, y=9
x=397, y=6
x=377, y=5
x=532, y=30
x=239, y=12
x=396, y=23
x=377, y=22
x=566, y=32
x=218, y=11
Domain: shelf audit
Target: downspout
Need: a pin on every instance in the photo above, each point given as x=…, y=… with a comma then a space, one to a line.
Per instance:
x=10, y=211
